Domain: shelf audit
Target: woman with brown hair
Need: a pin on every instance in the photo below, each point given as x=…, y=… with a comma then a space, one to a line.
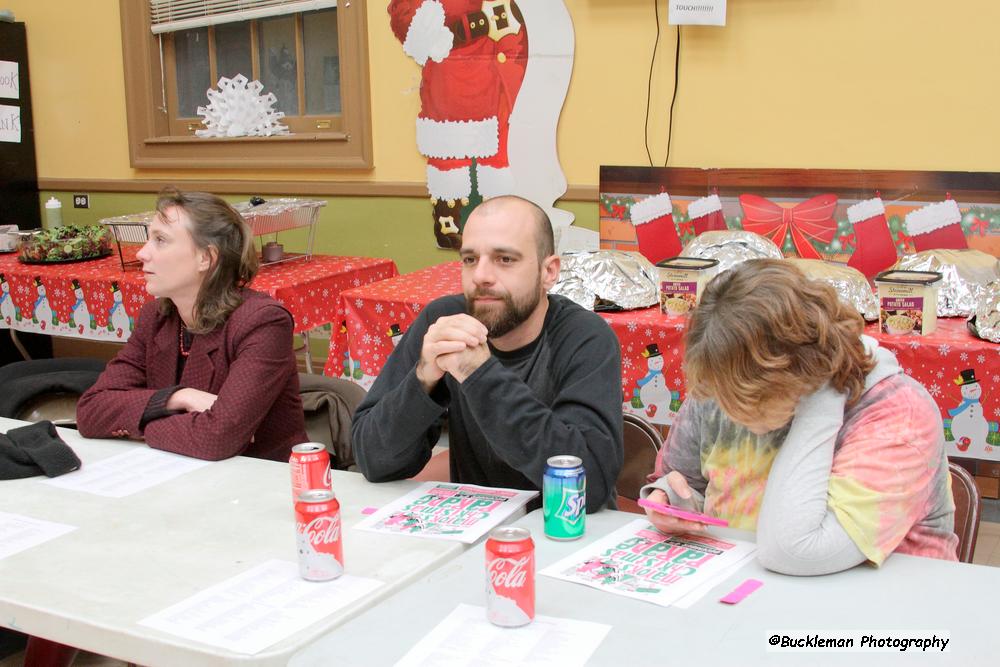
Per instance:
x=209, y=371
x=798, y=426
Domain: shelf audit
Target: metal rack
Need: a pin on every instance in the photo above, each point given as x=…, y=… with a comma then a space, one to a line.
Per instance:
x=269, y=217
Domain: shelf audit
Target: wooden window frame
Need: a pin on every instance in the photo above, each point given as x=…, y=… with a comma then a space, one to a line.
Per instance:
x=153, y=146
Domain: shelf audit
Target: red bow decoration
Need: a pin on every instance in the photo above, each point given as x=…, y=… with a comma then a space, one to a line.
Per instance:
x=902, y=240
x=847, y=241
x=979, y=226
x=809, y=220
x=686, y=227
x=618, y=211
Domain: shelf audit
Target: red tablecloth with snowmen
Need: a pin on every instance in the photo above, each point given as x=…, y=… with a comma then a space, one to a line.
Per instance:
x=961, y=372
x=98, y=300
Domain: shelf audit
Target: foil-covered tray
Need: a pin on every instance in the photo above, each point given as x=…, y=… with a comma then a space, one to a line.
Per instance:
x=985, y=322
x=731, y=247
x=964, y=276
x=850, y=284
x=607, y=280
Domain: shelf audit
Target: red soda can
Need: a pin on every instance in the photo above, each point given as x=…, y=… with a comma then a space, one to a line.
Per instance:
x=317, y=528
x=510, y=577
x=310, y=466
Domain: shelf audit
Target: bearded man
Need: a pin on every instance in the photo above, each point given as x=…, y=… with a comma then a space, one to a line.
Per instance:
x=520, y=375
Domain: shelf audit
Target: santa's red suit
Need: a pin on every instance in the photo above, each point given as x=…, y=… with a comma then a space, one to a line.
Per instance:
x=473, y=54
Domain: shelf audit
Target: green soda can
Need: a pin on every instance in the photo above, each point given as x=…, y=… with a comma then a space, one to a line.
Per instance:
x=564, y=498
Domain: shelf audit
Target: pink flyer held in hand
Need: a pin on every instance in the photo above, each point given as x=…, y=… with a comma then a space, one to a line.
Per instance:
x=682, y=514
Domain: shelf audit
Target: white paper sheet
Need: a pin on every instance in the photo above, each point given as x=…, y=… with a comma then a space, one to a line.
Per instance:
x=18, y=532
x=466, y=638
x=10, y=124
x=639, y=562
x=444, y=511
x=251, y=611
x=128, y=473
x=9, y=82
x=703, y=12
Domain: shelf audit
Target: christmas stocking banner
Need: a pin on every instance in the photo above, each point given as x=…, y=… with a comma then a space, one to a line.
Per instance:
x=654, y=228
x=706, y=215
x=874, y=250
x=936, y=226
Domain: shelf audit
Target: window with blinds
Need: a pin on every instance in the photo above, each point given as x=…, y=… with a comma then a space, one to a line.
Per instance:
x=311, y=54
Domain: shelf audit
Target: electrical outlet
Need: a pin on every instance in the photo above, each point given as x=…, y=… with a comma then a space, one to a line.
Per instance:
x=81, y=201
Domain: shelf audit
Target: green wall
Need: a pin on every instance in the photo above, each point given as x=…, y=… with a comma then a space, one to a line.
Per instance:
x=394, y=227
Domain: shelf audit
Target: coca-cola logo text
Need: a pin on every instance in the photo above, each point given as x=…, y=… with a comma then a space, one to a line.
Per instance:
x=508, y=572
x=323, y=530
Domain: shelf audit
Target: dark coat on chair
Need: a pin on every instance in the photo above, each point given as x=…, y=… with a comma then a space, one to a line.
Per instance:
x=248, y=363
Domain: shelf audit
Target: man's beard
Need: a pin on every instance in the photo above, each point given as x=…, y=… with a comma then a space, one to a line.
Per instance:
x=503, y=320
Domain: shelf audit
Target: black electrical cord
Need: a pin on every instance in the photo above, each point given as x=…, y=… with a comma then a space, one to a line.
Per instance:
x=649, y=83
x=649, y=88
x=677, y=72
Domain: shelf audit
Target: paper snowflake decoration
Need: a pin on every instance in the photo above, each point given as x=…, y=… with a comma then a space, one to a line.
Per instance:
x=237, y=109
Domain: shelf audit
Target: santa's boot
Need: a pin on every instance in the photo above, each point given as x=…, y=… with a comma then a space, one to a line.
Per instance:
x=936, y=226
x=706, y=215
x=874, y=249
x=447, y=217
x=654, y=228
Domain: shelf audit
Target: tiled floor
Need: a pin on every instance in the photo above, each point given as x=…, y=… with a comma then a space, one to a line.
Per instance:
x=988, y=544
x=987, y=553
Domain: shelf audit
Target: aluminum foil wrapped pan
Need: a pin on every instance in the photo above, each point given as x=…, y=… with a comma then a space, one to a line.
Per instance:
x=608, y=280
x=985, y=323
x=964, y=276
x=731, y=247
x=850, y=284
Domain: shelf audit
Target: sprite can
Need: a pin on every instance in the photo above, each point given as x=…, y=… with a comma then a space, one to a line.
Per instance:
x=564, y=498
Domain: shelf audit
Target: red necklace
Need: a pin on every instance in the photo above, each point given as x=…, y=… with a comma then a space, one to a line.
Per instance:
x=184, y=351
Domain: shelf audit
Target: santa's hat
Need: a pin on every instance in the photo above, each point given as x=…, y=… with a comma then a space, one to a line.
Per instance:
x=706, y=214
x=936, y=226
x=874, y=249
x=654, y=228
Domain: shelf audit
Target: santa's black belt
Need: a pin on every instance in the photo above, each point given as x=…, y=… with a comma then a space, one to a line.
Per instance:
x=476, y=25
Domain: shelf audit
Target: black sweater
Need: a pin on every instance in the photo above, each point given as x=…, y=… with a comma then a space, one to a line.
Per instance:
x=560, y=394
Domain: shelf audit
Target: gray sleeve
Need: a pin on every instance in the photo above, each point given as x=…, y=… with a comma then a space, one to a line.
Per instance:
x=398, y=423
x=584, y=419
x=797, y=533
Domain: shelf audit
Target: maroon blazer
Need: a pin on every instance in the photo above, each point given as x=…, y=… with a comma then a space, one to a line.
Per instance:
x=248, y=363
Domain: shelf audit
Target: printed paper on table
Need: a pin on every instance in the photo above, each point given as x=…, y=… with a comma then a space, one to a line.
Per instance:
x=465, y=637
x=640, y=562
x=460, y=512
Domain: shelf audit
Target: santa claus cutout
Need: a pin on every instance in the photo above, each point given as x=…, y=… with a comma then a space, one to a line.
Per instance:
x=486, y=117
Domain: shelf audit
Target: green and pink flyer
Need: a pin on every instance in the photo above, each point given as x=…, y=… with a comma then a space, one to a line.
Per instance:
x=440, y=510
x=640, y=562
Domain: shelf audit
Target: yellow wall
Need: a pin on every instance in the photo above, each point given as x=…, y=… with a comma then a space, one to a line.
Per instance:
x=789, y=83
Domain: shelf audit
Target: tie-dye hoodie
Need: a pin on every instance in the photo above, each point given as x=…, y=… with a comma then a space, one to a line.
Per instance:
x=888, y=485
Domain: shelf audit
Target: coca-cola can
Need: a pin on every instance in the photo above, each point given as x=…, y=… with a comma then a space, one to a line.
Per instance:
x=510, y=577
x=317, y=529
x=310, y=466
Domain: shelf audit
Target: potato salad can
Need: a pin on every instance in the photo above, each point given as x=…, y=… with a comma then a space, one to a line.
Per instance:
x=310, y=468
x=318, y=535
x=510, y=577
x=564, y=498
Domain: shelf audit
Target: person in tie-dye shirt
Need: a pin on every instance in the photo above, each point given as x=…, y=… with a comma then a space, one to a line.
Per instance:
x=802, y=429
